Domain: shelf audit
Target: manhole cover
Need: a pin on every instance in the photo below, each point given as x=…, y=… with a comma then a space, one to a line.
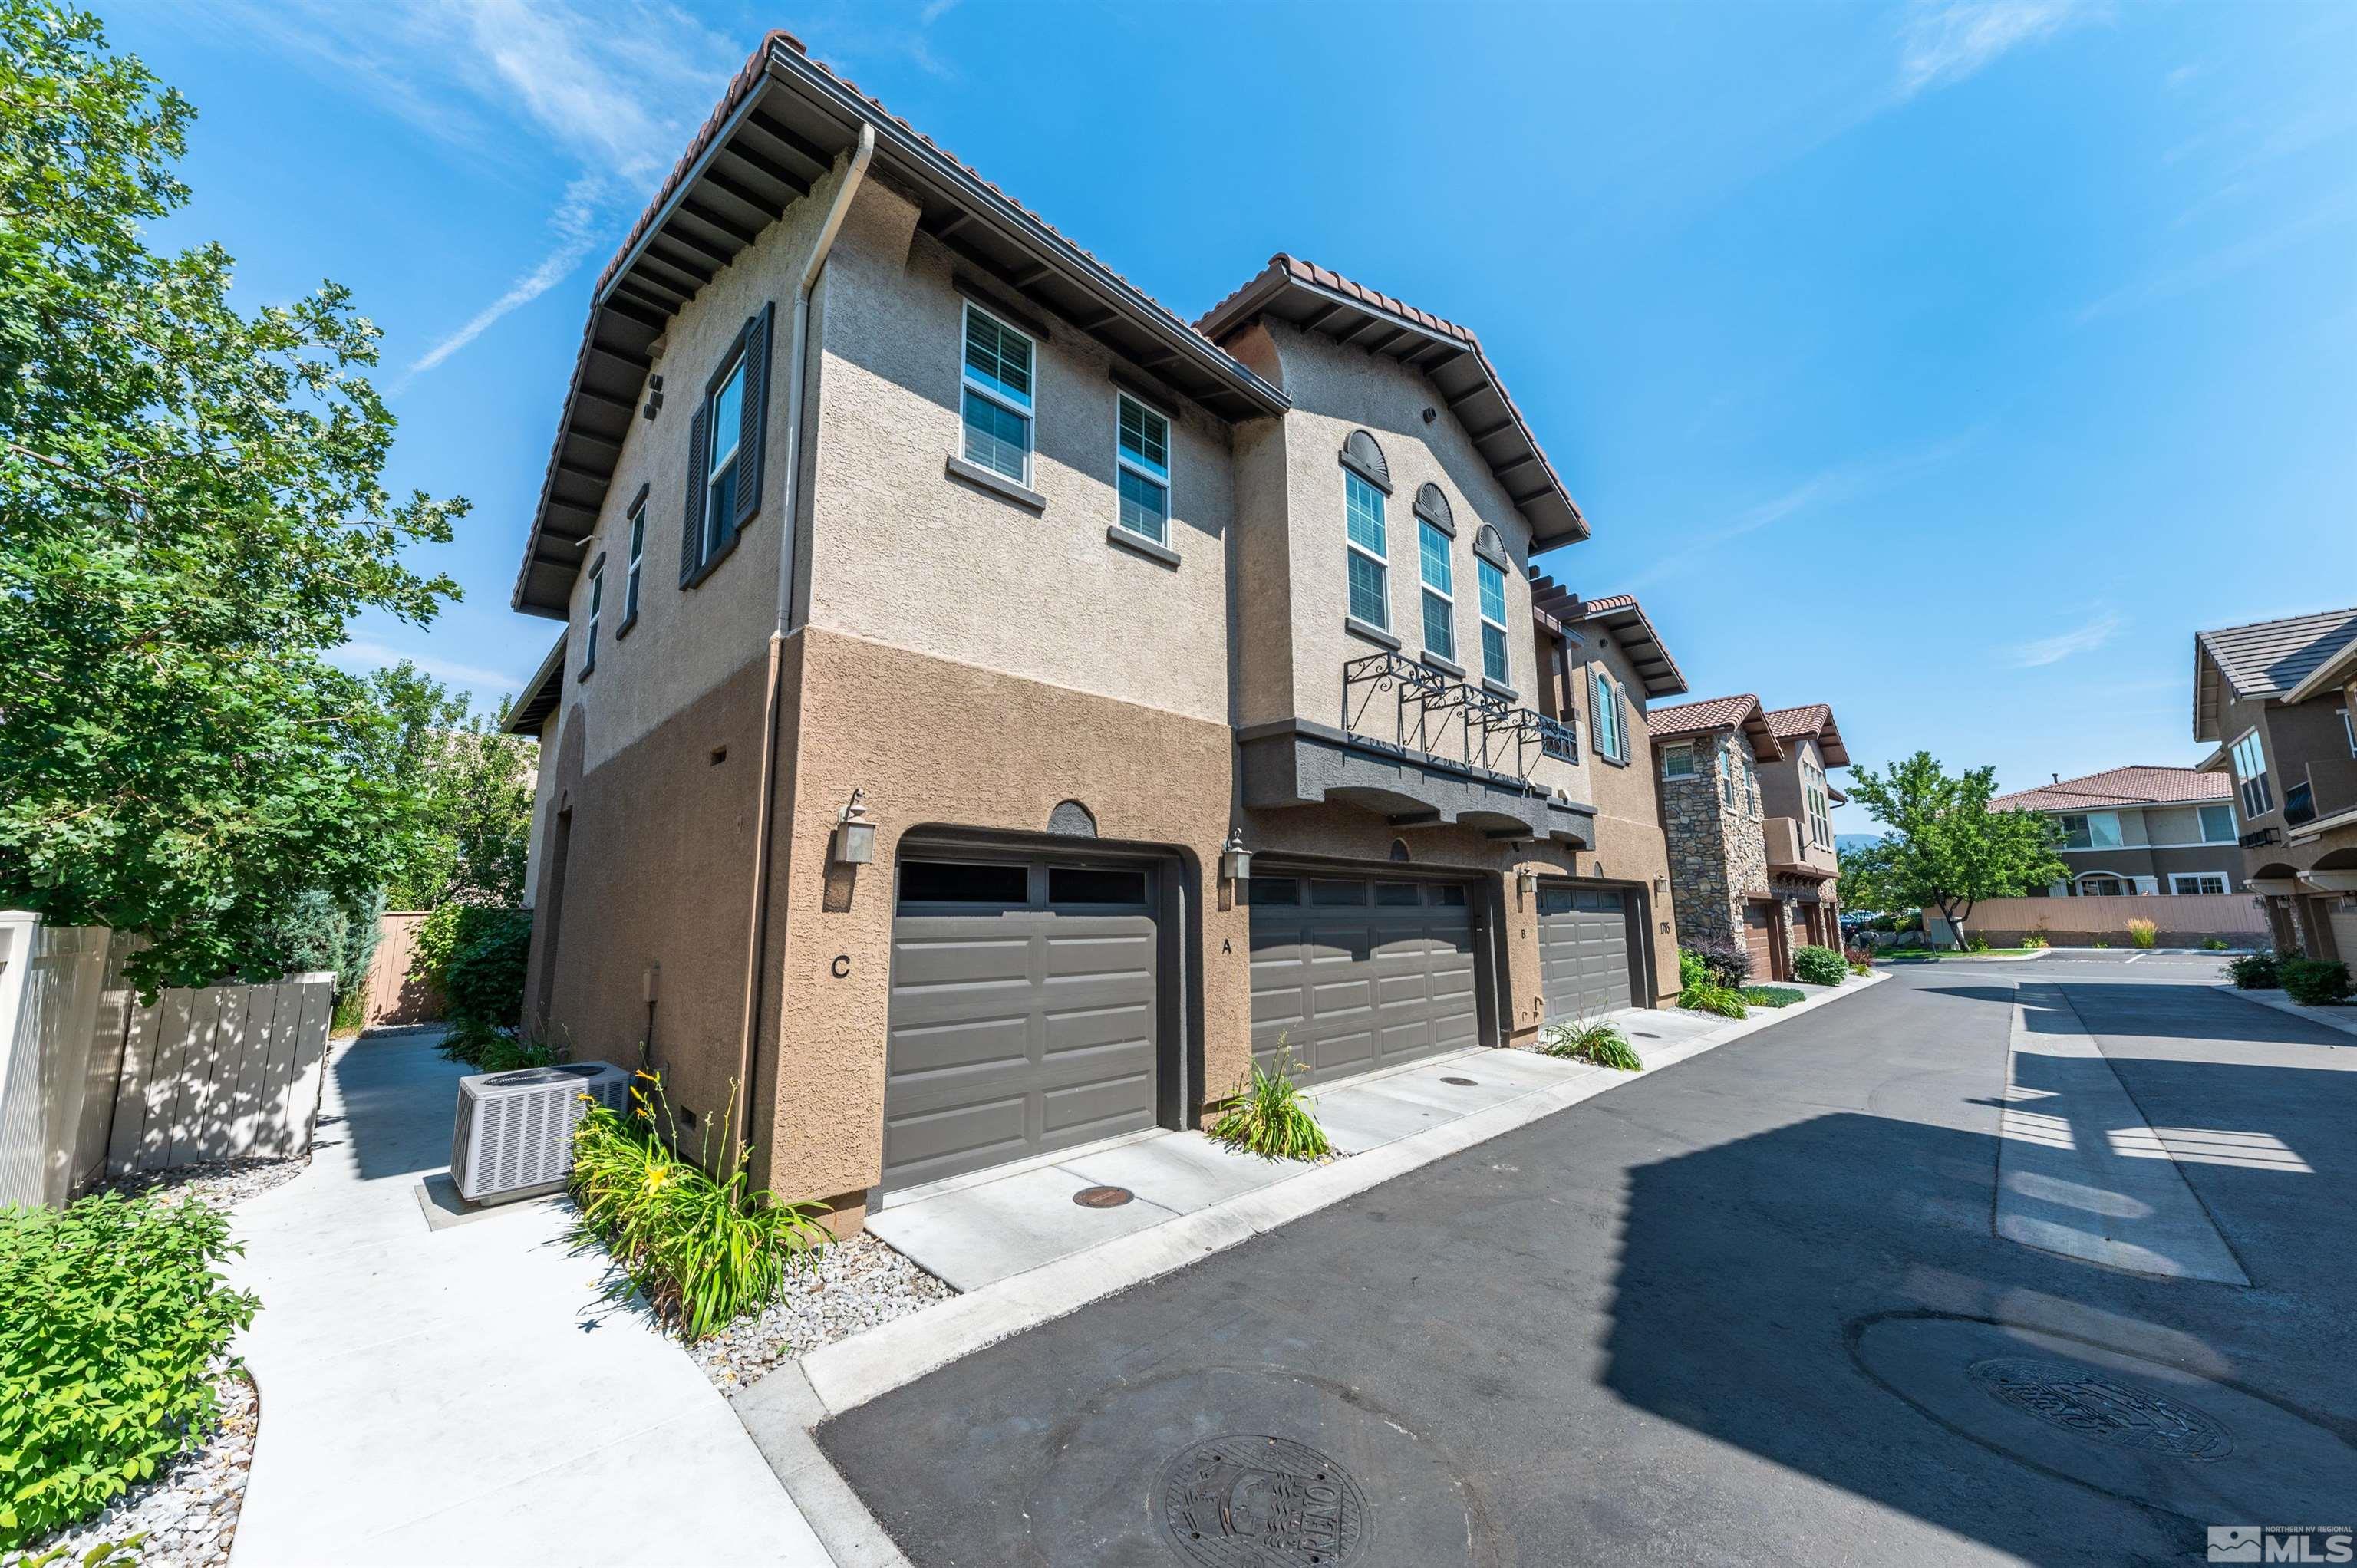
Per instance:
x=1103, y=1196
x=2119, y=1414
x=1246, y=1501
x=1462, y=1082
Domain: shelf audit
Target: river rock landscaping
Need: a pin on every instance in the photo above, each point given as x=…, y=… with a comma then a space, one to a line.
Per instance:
x=848, y=1287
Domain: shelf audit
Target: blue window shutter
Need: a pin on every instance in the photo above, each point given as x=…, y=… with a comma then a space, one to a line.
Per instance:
x=754, y=418
x=691, y=527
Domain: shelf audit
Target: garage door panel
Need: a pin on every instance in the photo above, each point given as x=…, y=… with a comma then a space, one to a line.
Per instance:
x=924, y=1145
x=1363, y=987
x=1016, y=1033
x=1584, y=965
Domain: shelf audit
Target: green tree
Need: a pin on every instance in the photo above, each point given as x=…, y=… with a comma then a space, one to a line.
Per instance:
x=1866, y=882
x=1945, y=850
x=191, y=511
x=474, y=790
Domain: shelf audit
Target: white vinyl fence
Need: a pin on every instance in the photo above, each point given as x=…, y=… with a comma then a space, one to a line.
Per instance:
x=94, y=1084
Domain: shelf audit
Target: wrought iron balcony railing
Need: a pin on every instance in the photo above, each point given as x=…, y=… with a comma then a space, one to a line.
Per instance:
x=2299, y=804
x=1429, y=710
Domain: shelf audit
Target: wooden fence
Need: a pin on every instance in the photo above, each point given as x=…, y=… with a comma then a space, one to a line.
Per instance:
x=93, y=1083
x=2185, y=919
x=389, y=995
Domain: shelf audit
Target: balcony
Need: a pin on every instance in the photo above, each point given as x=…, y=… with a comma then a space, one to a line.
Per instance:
x=1789, y=852
x=1422, y=750
x=2328, y=790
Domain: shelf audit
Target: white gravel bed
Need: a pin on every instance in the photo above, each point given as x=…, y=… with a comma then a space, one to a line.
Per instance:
x=189, y=1511
x=223, y=1184
x=856, y=1285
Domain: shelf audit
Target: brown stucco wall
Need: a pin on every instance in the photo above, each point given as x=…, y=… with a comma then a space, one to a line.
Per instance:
x=934, y=742
x=1630, y=846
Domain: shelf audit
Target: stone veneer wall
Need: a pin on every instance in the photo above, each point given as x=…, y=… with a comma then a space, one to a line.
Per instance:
x=1717, y=856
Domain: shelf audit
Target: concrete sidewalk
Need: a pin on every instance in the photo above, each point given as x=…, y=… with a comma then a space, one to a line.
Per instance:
x=464, y=1395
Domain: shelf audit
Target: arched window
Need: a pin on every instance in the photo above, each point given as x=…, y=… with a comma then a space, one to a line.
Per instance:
x=1366, y=480
x=1432, y=506
x=1364, y=458
x=1491, y=548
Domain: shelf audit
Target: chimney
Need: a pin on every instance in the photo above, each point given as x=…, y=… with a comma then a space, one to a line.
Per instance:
x=2058, y=778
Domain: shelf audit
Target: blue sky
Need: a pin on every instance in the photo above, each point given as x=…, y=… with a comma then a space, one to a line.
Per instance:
x=1951, y=362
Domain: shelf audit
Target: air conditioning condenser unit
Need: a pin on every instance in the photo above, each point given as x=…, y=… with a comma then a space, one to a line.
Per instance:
x=514, y=1133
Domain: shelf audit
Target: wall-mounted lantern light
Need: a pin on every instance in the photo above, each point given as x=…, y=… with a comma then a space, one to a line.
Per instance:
x=855, y=835
x=1235, y=860
x=1527, y=881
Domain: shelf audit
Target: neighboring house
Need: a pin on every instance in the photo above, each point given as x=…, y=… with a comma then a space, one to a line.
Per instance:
x=2139, y=830
x=992, y=711
x=1747, y=805
x=2275, y=697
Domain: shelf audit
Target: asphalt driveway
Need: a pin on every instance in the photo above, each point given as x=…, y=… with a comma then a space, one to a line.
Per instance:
x=1750, y=1309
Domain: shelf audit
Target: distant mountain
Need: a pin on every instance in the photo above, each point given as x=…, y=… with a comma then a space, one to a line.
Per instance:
x=1846, y=841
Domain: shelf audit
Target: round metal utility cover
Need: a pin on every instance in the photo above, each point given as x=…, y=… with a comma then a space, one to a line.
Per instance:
x=2139, y=1429
x=1103, y=1196
x=1250, y=1500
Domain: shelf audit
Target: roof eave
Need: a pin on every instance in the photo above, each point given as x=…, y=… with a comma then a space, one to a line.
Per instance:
x=539, y=699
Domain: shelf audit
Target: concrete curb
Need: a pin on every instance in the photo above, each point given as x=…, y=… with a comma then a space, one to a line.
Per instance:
x=782, y=1409
x=852, y=1371
x=2341, y=1018
x=1974, y=957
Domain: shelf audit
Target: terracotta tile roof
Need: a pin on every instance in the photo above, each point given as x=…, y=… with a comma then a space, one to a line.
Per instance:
x=1712, y=713
x=1807, y=719
x=1224, y=315
x=2136, y=785
x=2268, y=658
x=1608, y=604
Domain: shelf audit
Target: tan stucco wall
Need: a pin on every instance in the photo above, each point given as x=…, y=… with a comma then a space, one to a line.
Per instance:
x=905, y=554
x=687, y=641
x=1335, y=390
x=1629, y=843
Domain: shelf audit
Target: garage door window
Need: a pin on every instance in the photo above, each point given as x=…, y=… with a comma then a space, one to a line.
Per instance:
x=949, y=882
x=1396, y=892
x=1337, y=894
x=1078, y=884
x=1451, y=897
x=1275, y=890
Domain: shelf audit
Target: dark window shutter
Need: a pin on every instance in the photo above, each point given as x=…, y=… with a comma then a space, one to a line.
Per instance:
x=691, y=527
x=755, y=416
x=1620, y=729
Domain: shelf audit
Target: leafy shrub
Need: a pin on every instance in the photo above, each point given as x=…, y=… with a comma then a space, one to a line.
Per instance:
x=111, y=1320
x=1590, y=1041
x=1724, y=964
x=2255, y=972
x=123, y=1553
x=2143, y=932
x=1269, y=1116
x=2038, y=941
x=1860, y=966
x=2315, y=982
x=1724, y=1000
x=1975, y=942
x=1692, y=972
x=1772, y=995
x=704, y=1250
x=2214, y=944
x=1819, y=966
x=1860, y=961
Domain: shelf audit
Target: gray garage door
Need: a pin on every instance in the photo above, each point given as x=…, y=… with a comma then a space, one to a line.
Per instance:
x=1023, y=1014
x=1358, y=973
x=1583, y=950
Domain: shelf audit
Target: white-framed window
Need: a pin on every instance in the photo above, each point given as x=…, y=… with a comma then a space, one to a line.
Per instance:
x=1821, y=830
x=2251, y=774
x=1608, y=719
x=2196, y=882
x=721, y=469
x=2218, y=825
x=1752, y=787
x=2348, y=731
x=637, y=555
x=597, y=608
x=1678, y=761
x=996, y=377
x=1368, y=553
x=1439, y=580
x=1495, y=665
x=1142, y=470
x=2091, y=830
x=1727, y=785
x=2103, y=885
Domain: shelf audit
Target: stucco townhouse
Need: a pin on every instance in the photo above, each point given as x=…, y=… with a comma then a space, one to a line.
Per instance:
x=2140, y=829
x=992, y=711
x=2274, y=698
x=1747, y=805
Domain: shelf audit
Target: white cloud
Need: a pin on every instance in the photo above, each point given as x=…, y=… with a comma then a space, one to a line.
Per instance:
x=574, y=224
x=2222, y=263
x=1830, y=487
x=2083, y=638
x=363, y=655
x=1944, y=41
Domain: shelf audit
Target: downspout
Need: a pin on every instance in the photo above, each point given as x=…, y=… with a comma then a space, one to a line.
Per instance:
x=756, y=923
